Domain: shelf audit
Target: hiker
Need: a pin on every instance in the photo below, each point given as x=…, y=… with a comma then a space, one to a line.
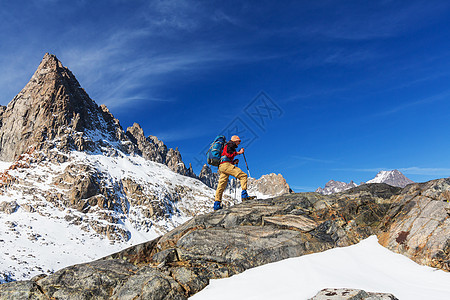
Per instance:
x=228, y=167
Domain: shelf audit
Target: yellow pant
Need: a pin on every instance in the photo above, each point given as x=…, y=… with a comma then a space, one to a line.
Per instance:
x=225, y=170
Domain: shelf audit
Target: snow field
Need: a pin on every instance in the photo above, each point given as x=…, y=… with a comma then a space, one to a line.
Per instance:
x=366, y=265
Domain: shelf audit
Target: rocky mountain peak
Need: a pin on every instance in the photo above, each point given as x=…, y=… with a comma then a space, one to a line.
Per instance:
x=394, y=178
x=333, y=186
x=49, y=106
x=54, y=111
x=56, y=88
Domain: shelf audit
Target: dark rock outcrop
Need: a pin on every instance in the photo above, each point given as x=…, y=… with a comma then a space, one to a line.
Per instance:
x=227, y=242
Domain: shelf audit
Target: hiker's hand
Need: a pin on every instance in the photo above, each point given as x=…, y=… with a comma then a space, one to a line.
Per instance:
x=241, y=151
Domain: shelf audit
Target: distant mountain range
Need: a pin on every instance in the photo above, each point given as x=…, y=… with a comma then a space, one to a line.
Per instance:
x=394, y=178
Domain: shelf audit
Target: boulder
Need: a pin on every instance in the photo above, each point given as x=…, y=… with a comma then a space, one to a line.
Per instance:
x=351, y=294
x=8, y=207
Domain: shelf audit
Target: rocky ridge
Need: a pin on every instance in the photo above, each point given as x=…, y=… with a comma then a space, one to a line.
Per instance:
x=412, y=221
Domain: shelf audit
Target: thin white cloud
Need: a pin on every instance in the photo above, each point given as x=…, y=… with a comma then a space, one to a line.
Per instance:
x=426, y=171
x=425, y=101
x=312, y=159
x=439, y=172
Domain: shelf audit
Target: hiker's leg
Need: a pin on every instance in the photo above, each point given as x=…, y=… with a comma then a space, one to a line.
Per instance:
x=223, y=181
x=239, y=174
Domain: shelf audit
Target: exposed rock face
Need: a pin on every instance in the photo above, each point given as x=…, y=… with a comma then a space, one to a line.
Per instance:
x=271, y=184
x=49, y=106
x=418, y=224
x=153, y=149
x=53, y=111
x=394, y=178
x=351, y=294
x=227, y=242
x=208, y=177
x=8, y=207
x=332, y=187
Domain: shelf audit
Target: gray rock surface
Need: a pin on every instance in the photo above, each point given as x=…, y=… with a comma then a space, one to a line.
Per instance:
x=270, y=184
x=418, y=224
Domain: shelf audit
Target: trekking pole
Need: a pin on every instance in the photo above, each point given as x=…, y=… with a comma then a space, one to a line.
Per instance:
x=246, y=165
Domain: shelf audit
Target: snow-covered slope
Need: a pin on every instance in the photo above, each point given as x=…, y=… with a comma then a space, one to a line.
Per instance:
x=40, y=234
x=367, y=266
x=394, y=178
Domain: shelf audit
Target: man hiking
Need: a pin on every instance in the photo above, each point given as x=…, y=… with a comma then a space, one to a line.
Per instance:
x=228, y=167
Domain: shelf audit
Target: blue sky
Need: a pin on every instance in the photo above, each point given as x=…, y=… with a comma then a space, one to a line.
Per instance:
x=350, y=87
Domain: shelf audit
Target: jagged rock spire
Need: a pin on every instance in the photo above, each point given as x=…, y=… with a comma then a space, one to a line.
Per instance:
x=51, y=103
x=52, y=110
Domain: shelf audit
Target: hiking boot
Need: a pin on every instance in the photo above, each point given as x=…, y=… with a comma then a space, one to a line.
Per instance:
x=218, y=205
x=245, y=196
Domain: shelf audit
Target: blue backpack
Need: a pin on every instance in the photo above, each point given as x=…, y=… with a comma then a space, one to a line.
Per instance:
x=215, y=151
